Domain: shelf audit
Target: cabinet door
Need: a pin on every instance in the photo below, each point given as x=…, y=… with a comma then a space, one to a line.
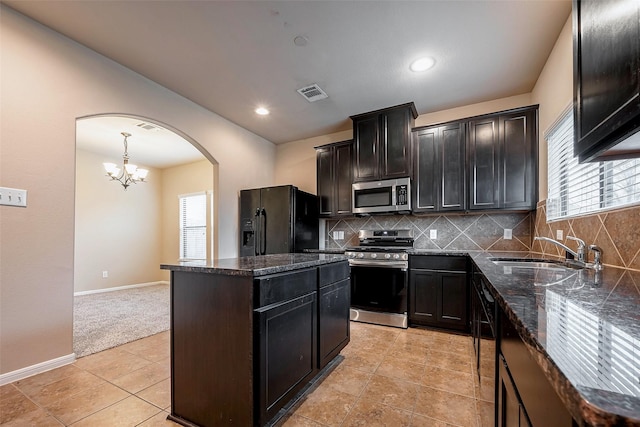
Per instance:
x=509, y=410
x=606, y=73
x=518, y=142
x=395, y=144
x=423, y=305
x=325, y=174
x=286, y=347
x=333, y=301
x=367, y=152
x=454, y=299
x=425, y=185
x=483, y=164
x=451, y=153
x=342, y=178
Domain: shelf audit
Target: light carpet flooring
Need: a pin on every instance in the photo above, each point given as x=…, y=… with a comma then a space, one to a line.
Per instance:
x=388, y=377
x=109, y=319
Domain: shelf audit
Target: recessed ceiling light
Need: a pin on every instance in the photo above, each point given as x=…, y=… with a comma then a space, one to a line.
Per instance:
x=262, y=111
x=422, y=64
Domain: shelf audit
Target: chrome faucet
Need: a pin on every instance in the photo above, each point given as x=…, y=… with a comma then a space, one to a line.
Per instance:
x=579, y=255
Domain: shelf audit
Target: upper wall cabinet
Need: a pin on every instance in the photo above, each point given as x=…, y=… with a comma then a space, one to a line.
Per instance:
x=334, y=168
x=606, y=67
x=439, y=168
x=382, y=143
x=503, y=160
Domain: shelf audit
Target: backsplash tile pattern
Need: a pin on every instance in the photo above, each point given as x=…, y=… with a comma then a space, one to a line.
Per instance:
x=469, y=232
x=616, y=232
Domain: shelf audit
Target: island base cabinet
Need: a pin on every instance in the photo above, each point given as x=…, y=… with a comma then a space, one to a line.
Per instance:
x=334, y=303
x=287, y=351
x=211, y=346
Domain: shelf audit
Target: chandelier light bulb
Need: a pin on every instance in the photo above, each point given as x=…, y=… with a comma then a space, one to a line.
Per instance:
x=129, y=174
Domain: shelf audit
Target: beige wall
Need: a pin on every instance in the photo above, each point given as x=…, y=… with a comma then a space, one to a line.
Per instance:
x=185, y=179
x=296, y=161
x=554, y=92
x=115, y=230
x=48, y=81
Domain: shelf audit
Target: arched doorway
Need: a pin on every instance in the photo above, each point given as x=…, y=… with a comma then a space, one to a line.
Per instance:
x=122, y=235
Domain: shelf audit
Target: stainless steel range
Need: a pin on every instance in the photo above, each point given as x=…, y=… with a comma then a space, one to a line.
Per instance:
x=379, y=277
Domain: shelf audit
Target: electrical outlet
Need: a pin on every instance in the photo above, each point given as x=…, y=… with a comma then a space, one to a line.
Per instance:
x=508, y=234
x=559, y=235
x=433, y=234
x=105, y=274
x=13, y=197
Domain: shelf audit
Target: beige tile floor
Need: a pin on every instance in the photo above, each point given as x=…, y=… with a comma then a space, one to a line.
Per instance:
x=388, y=377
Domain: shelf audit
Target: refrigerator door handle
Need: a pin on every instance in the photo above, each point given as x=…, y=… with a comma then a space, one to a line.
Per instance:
x=263, y=240
x=256, y=239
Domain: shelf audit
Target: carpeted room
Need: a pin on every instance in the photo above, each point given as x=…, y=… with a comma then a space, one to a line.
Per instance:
x=122, y=236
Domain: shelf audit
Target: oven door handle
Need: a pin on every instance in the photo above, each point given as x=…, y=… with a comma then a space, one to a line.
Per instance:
x=396, y=266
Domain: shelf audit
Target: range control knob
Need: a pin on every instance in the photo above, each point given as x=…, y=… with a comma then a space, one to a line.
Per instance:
x=396, y=256
x=387, y=256
x=360, y=255
x=405, y=257
x=374, y=255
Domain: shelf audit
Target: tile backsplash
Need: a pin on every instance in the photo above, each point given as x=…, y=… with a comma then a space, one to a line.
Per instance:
x=469, y=232
x=616, y=232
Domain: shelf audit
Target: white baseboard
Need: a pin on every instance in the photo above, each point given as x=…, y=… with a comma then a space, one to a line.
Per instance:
x=120, y=288
x=39, y=368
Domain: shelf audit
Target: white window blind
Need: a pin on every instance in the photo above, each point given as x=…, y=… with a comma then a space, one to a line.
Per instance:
x=577, y=189
x=193, y=226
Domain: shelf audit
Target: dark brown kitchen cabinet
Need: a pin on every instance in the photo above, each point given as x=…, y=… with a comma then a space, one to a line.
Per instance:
x=511, y=413
x=382, y=143
x=606, y=79
x=439, y=291
x=287, y=351
x=334, y=301
x=334, y=178
x=502, y=160
x=521, y=382
x=439, y=168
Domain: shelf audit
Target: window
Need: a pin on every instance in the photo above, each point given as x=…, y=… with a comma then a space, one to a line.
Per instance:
x=577, y=189
x=193, y=226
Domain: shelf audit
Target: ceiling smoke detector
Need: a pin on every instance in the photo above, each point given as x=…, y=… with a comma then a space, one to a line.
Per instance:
x=312, y=93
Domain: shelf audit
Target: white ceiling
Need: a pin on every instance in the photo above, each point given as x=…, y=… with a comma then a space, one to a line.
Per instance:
x=232, y=56
x=157, y=147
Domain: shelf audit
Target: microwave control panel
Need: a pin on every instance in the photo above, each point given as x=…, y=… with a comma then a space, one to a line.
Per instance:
x=401, y=195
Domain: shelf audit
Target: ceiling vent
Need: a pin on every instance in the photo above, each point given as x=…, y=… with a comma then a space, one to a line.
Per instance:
x=313, y=93
x=147, y=126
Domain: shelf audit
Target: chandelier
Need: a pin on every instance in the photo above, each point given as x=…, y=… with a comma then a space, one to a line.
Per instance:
x=129, y=174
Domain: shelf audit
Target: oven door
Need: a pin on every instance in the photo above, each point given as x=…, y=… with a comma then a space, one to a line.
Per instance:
x=379, y=294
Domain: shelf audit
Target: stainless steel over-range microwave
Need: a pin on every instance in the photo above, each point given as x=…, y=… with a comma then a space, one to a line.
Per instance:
x=392, y=195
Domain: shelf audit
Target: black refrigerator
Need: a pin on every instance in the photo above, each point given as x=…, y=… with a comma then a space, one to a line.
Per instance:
x=277, y=220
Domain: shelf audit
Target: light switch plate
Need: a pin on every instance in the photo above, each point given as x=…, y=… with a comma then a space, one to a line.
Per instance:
x=433, y=234
x=559, y=235
x=13, y=197
x=508, y=234
x=338, y=235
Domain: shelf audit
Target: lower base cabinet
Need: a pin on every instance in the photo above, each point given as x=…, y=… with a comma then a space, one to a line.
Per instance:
x=525, y=396
x=334, y=303
x=287, y=343
x=439, y=291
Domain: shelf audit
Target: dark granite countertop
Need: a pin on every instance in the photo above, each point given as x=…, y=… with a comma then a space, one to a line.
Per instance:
x=256, y=265
x=583, y=329
x=324, y=251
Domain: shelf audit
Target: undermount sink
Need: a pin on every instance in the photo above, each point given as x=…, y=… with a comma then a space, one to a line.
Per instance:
x=547, y=264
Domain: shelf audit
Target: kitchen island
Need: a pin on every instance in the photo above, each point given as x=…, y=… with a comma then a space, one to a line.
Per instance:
x=248, y=334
